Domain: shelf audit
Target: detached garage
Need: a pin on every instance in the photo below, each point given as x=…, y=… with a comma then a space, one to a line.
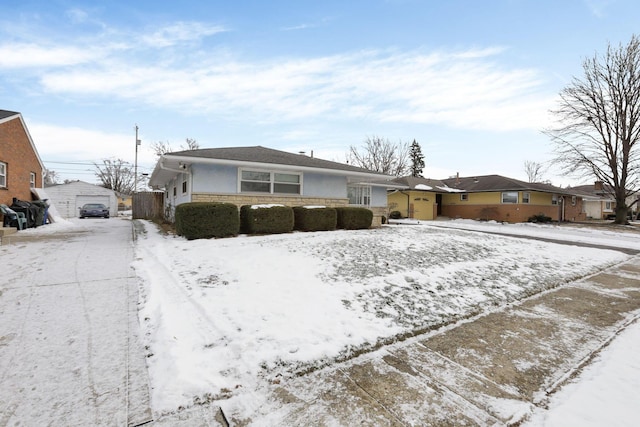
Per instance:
x=68, y=198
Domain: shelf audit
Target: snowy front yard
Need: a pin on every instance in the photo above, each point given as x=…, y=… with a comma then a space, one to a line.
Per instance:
x=224, y=317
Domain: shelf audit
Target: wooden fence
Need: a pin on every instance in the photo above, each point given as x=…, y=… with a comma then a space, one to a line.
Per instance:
x=148, y=205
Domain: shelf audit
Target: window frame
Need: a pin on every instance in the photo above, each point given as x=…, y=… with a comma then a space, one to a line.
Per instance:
x=526, y=200
x=511, y=193
x=362, y=196
x=464, y=197
x=3, y=174
x=32, y=179
x=554, y=199
x=273, y=181
x=608, y=206
x=185, y=184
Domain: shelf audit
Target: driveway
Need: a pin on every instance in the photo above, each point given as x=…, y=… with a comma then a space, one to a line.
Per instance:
x=69, y=349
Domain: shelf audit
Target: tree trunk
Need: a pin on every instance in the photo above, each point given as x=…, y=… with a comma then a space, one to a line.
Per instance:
x=621, y=211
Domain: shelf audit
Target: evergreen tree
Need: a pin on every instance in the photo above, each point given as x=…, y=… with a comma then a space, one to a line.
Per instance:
x=417, y=159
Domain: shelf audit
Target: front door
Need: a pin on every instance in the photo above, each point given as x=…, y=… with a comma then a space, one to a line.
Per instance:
x=439, y=204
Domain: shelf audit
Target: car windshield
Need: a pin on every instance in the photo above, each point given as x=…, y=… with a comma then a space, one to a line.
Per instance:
x=94, y=206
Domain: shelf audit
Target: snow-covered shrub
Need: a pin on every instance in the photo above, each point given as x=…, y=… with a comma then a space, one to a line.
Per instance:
x=256, y=219
x=203, y=220
x=315, y=218
x=354, y=218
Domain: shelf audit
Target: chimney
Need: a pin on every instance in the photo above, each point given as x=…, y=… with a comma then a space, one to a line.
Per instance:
x=457, y=178
x=599, y=185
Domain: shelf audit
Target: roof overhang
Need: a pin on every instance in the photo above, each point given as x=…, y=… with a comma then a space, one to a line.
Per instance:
x=169, y=166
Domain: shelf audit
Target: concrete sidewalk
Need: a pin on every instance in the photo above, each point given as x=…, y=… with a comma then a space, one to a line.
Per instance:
x=487, y=371
x=69, y=348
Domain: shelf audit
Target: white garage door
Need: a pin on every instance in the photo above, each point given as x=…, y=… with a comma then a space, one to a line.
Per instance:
x=83, y=200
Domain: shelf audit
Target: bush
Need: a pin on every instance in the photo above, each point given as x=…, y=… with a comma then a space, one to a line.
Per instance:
x=353, y=218
x=540, y=218
x=266, y=220
x=315, y=219
x=395, y=215
x=203, y=220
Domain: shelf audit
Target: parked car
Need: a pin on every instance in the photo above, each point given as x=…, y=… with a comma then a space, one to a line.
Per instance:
x=94, y=210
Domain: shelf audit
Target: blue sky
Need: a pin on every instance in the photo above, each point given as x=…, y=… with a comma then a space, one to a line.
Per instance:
x=471, y=81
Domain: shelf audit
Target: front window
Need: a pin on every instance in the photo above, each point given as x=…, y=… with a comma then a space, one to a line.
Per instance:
x=3, y=175
x=252, y=181
x=510, y=197
x=526, y=197
x=359, y=195
x=608, y=206
x=464, y=197
x=184, y=184
x=32, y=179
x=554, y=199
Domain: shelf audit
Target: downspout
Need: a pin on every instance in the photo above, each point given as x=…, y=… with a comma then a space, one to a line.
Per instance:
x=408, y=203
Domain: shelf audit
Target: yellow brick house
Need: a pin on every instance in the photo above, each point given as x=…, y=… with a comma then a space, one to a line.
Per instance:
x=488, y=197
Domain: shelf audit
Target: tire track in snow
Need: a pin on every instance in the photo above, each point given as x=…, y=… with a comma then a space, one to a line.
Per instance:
x=90, y=375
x=164, y=285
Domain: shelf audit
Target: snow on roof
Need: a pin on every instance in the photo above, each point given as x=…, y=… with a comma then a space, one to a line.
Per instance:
x=423, y=187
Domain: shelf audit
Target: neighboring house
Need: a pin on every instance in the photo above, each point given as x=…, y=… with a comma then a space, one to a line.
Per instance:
x=599, y=201
x=20, y=165
x=490, y=197
x=259, y=175
x=124, y=201
x=418, y=198
x=69, y=198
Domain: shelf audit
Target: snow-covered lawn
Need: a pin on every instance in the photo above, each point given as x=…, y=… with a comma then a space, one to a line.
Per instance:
x=223, y=317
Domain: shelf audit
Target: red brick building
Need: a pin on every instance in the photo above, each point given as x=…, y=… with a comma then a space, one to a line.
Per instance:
x=20, y=165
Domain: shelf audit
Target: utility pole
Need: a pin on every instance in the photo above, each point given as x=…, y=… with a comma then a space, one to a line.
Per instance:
x=135, y=178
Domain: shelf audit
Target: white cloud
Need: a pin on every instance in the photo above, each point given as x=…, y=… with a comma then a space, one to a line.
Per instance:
x=467, y=89
x=87, y=145
x=180, y=32
x=27, y=55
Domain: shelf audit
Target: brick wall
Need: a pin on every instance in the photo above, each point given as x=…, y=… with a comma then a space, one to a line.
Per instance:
x=515, y=212
x=21, y=160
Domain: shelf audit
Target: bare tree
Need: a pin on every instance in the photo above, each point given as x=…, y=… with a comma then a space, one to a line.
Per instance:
x=534, y=171
x=599, y=123
x=50, y=177
x=381, y=155
x=159, y=148
x=116, y=175
x=190, y=144
x=164, y=147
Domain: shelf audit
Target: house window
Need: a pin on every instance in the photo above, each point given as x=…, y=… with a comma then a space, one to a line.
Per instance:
x=184, y=184
x=359, y=195
x=526, y=197
x=554, y=199
x=252, y=181
x=608, y=206
x=510, y=197
x=574, y=199
x=464, y=197
x=32, y=179
x=3, y=175
x=175, y=193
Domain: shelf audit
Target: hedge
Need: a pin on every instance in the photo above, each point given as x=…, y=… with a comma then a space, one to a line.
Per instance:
x=203, y=220
x=266, y=219
x=315, y=219
x=354, y=218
